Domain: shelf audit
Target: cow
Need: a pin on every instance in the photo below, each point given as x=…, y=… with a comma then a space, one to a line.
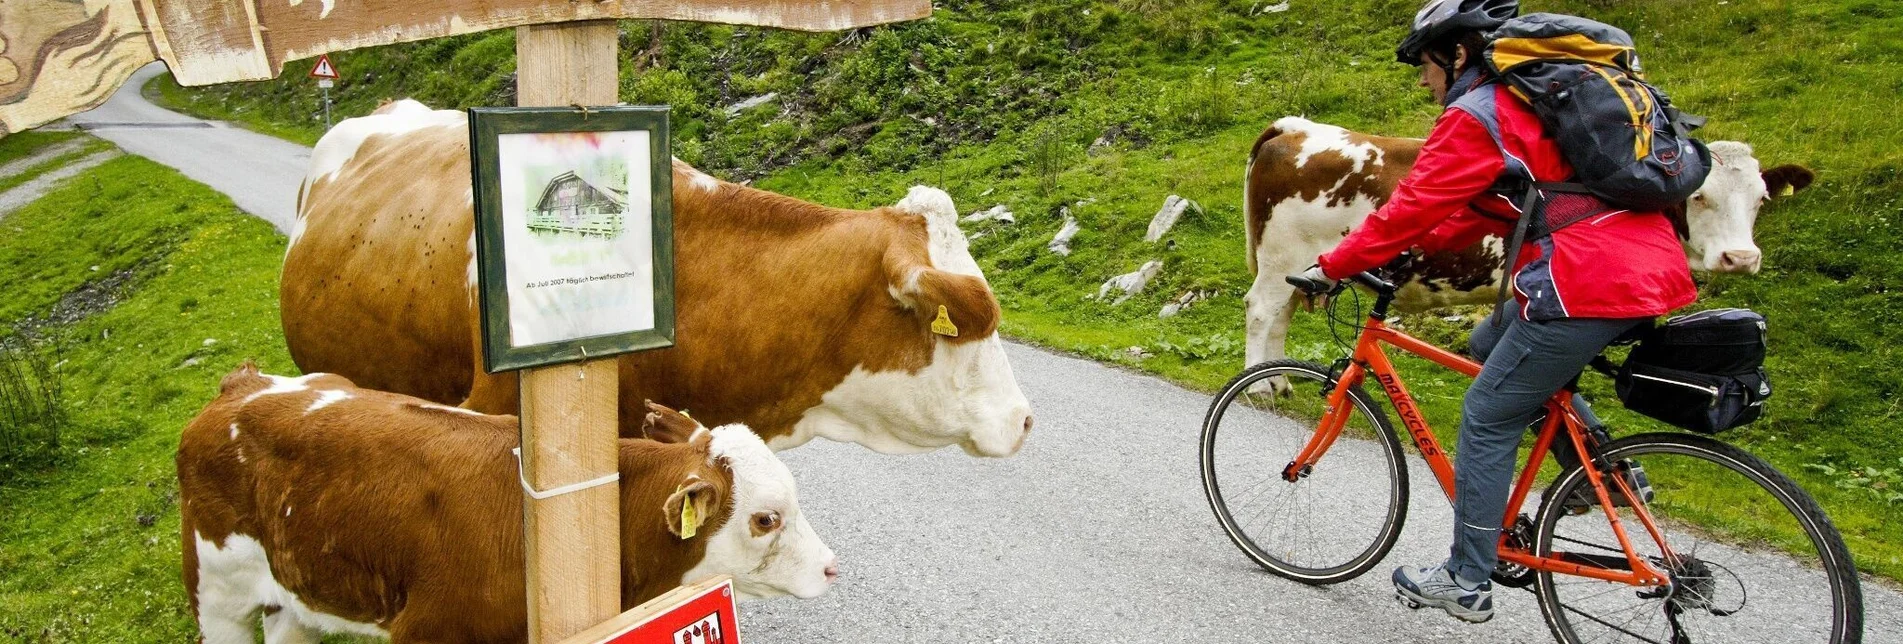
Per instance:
x=1308, y=184
x=796, y=319
x=330, y=508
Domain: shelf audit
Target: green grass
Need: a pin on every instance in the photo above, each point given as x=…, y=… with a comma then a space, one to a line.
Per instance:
x=1000, y=103
x=25, y=144
x=90, y=544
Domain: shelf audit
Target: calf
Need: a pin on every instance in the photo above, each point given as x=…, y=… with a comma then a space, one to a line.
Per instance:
x=336, y=509
x=1309, y=184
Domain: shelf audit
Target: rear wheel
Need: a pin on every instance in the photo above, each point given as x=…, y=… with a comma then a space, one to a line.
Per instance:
x=1755, y=559
x=1335, y=520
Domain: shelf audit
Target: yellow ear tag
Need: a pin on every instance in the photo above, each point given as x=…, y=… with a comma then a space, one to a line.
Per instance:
x=689, y=522
x=1787, y=190
x=943, y=325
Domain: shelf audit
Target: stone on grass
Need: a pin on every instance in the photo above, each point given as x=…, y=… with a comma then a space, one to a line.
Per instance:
x=998, y=213
x=1131, y=283
x=1166, y=217
x=751, y=103
x=1184, y=301
x=1060, y=243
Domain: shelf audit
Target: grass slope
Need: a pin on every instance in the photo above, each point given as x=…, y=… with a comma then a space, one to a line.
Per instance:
x=89, y=546
x=1002, y=103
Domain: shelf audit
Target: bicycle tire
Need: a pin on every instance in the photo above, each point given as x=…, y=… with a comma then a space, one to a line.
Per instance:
x=1712, y=575
x=1387, y=450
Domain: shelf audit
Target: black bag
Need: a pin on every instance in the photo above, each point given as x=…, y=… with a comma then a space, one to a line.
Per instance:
x=1702, y=371
x=1625, y=141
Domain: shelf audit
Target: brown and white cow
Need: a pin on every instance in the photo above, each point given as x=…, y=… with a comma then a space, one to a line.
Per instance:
x=797, y=319
x=1309, y=184
x=336, y=509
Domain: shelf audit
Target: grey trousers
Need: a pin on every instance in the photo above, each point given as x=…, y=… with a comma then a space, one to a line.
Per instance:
x=1524, y=363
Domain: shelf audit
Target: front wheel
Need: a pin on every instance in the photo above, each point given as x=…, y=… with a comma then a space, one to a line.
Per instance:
x=1335, y=520
x=1755, y=559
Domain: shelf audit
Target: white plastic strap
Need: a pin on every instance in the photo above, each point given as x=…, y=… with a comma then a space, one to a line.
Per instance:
x=544, y=494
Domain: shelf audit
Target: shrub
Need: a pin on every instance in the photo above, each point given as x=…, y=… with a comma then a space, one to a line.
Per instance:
x=32, y=410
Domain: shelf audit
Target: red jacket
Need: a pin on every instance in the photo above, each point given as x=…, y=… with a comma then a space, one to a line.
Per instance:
x=1618, y=264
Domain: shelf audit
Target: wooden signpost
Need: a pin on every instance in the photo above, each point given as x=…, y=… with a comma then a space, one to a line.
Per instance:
x=59, y=57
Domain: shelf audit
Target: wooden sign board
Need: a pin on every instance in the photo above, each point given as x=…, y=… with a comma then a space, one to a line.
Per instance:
x=574, y=233
x=698, y=613
x=60, y=57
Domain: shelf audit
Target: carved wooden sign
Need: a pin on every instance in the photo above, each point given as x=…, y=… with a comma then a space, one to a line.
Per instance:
x=59, y=57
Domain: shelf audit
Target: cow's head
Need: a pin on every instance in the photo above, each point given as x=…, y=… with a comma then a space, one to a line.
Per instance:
x=735, y=502
x=1720, y=217
x=942, y=377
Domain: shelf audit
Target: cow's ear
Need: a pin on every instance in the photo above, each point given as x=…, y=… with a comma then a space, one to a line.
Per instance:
x=690, y=506
x=1786, y=179
x=960, y=308
x=666, y=425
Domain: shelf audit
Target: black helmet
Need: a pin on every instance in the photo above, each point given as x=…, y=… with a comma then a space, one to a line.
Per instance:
x=1442, y=18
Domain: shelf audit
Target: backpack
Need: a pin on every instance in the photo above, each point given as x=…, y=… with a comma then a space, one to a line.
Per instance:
x=1702, y=371
x=1627, y=145
x=1625, y=141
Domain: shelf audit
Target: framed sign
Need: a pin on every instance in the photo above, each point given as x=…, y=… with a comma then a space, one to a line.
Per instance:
x=697, y=613
x=574, y=232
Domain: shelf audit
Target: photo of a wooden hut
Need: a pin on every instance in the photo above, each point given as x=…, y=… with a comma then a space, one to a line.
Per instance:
x=572, y=203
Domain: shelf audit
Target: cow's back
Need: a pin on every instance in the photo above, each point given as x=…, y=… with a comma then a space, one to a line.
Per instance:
x=374, y=512
x=1321, y=181
x=386, y=240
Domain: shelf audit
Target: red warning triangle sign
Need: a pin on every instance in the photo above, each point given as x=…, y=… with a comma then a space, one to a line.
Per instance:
x=324, y=69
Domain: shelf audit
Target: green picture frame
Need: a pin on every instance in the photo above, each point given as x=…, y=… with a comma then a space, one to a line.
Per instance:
x=487, y=127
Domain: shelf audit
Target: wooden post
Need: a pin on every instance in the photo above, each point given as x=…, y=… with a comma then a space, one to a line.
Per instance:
x=572, y=542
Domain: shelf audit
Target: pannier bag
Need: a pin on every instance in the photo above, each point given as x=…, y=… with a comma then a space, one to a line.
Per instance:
x=1702, y=371
x=1621, y=134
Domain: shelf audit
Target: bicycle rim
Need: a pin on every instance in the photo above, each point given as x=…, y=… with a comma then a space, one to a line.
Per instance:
x=1333, y=523
x=1756, y=559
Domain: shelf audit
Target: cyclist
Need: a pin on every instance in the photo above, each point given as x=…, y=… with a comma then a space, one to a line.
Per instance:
x=1575, y=291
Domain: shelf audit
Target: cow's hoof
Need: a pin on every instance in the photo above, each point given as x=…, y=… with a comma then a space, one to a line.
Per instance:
x=1276, y=385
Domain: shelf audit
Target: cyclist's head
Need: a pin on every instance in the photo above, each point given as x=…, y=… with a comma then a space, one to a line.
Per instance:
x=1448, y=35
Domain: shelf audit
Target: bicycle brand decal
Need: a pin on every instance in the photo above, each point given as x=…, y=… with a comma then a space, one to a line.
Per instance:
x=1410, y=415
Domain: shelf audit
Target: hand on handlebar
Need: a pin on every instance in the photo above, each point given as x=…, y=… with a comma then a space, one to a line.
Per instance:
x=1312, y=282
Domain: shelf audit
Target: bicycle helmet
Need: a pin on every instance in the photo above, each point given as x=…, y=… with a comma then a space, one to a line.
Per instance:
x=1442, y=18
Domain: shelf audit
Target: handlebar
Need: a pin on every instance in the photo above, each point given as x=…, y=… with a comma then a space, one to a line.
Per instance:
x=1366, y=278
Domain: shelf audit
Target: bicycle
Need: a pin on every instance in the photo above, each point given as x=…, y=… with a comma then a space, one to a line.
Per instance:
x=1659, y=567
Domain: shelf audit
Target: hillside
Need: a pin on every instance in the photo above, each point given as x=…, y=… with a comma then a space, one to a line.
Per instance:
x=1103, y=109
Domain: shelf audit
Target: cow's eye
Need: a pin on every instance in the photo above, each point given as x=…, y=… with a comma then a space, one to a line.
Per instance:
x=1698, y=196
x=765, y=522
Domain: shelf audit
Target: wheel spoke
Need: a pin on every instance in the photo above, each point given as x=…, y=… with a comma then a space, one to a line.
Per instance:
x=1340, y=517
x=1718, y=560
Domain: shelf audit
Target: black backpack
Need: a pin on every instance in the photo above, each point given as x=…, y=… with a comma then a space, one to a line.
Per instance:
x=1702, y=371
x=1625, y=141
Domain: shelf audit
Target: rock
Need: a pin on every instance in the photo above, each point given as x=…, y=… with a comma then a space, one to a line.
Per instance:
x=1183, y=302
x=189, y=362
x=751, y=103
x=1060, y=243
x=1165, y=218
x=210, y=341
x=997, y=213
x=1139, y=353
x=1110, y=137
x=1131, y=283
x=1275, y=8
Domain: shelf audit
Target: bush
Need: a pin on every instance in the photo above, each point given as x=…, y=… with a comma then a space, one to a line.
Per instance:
x=32, y=410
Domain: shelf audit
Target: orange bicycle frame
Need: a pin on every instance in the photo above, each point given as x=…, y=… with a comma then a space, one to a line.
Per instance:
x=1370, y=358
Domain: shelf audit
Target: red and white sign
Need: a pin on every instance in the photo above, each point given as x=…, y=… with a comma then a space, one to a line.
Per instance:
x=698, y=614
x=324, y=69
